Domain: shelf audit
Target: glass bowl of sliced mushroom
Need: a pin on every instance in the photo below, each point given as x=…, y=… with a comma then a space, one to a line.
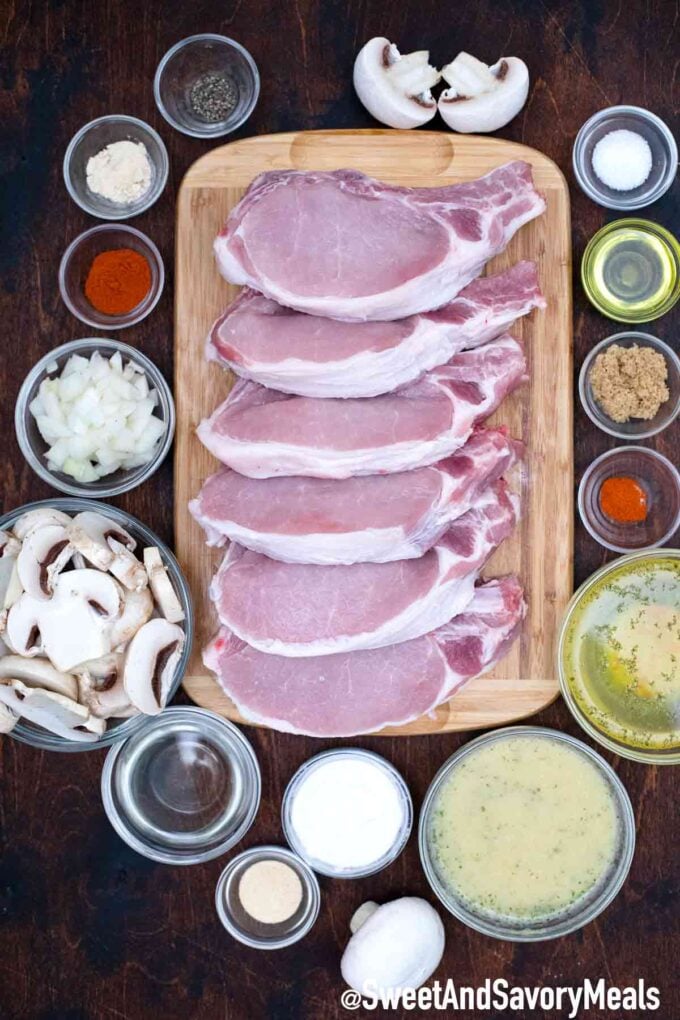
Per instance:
x=96, y=624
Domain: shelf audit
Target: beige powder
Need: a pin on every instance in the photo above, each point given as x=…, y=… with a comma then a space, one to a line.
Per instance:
x=629, y=382
x=270, y=891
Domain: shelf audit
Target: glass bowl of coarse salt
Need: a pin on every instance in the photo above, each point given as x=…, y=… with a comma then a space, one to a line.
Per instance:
x=115, y=167
x=625, y=158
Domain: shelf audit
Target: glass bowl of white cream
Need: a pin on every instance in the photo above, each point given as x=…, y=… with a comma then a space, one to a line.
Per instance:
x=526, y=834
x=347, y=813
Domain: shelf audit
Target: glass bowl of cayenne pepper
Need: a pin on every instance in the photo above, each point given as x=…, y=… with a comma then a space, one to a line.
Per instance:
x=629, y=499
x=111, y=276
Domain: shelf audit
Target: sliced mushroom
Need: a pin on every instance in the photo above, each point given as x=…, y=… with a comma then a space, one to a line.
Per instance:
x=102, y=689
x=90, y=533
x=38, y=518
x=53, y=712
x=150, y=664
x=395, y=89
x=10, y=585
x=71, y=627
x=45, y=552
x=161, y=585
x=137, y=609
x=9, y=545
x=38, y=673
x=483, y=98
x=8, y=719
x=126, y=567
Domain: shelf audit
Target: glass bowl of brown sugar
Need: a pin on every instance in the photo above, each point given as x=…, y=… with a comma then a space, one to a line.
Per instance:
x=111, y=276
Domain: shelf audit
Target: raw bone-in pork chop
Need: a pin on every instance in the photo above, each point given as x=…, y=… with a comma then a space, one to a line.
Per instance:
x=295, y=609
x=319, y=357
x=262, y=433
x=360, y=692
x=374, y=518
x=344, y=245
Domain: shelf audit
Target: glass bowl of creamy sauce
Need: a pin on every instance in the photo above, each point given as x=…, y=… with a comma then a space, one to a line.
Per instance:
x=526, y=834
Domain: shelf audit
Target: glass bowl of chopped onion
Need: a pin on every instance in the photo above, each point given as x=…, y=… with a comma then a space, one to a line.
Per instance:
x=95, y=418
x=610, y=387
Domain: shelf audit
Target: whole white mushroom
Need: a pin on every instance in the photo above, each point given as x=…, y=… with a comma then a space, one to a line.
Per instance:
x=396, y=946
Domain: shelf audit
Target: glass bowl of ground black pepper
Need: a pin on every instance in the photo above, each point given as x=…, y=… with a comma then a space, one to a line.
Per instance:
x=630, y=385
x=629, y=499
x=111, y=276
x=206, y=86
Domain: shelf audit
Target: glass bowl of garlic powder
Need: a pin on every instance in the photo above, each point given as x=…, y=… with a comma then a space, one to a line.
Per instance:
x=116, y=167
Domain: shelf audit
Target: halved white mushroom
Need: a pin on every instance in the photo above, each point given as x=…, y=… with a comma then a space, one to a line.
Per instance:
x=150, y=664
x=52, y=711
x=395, y=89
x=161, y=585
x=102, y=689
x=483, y=98
x=38, y=673
x=44, y=553
x=71, y=627
x=38, y=518
x=90, y=533
x=137, y=609
x=394, y=946
x=126, y=567
x=8, y=719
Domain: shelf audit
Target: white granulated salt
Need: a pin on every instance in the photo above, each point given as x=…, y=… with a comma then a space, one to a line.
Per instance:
x=347, y=813
x=622, y=160
x=121, y=172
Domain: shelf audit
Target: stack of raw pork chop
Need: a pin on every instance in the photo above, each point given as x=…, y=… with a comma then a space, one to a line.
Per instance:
x=360, y=494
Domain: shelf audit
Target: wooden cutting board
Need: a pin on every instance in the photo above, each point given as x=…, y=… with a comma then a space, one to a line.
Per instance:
x=540, y=413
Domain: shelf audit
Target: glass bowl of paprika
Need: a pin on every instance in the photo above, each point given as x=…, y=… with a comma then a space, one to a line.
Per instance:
x=111, y=276
x=629, y=499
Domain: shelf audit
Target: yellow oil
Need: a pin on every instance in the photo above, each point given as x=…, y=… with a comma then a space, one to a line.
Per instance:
x=631, y=270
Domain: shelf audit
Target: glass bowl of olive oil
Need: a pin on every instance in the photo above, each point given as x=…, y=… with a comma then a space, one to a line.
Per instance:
x=631, y=270
x=619, y=656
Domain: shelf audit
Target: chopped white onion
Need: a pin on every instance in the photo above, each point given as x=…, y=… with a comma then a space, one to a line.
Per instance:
x=97, y=417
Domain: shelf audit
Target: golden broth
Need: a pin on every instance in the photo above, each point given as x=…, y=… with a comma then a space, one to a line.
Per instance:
x=621, y=654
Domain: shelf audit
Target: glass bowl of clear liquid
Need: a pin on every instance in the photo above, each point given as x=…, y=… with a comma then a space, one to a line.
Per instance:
x=631, y=270
x=183, y=789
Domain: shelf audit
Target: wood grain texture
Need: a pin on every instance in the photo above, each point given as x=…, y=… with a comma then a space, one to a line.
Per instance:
x=540, y=413
x=88, y=929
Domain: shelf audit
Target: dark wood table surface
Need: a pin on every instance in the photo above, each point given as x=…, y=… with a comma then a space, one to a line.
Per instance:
x=89, y=929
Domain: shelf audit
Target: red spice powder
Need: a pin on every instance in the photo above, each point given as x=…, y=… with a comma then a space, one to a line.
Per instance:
x=118, y=281
x=623, y=500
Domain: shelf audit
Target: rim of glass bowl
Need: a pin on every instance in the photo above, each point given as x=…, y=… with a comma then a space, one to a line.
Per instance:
x=646, y=451
x=321, y=867
x=206, y=37
x=645, y=339
x=269, y=852
x=610, y=743
x=154, y=193
x=118, y=819
x=577, y=157
x=47, y=741
x=131, y=319
x=139, y=475
x=552, y=929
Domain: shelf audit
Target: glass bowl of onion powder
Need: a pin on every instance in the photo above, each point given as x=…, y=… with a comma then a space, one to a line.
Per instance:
x=625, y=158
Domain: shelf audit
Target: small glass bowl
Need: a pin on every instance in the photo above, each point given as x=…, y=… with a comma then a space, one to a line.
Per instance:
x=90, y=140
x=187, y=61
x=79, y=256
x=183, y=789
x=117, y=729
x=661, y=482
x=254, y=933
x=636, y=428
x=561, y=924
x=660, y=140
x=34, y=447
x=322, y=867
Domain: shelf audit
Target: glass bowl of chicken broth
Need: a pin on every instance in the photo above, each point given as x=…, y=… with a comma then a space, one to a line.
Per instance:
x=99, y=627
x=526, y=834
